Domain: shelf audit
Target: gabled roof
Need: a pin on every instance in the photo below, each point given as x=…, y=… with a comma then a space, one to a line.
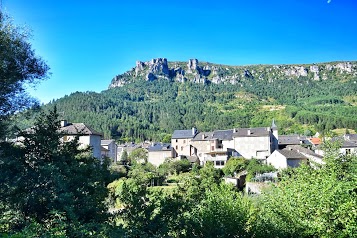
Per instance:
x=160, y=147
x=348, y=144
x=252, y=132
x=219, y=134
x=78, y=129
x=315, y=140
x=291, y=154
x=223, y=134
x=183, y=134
x=303, y=150
x=203, y=136
x=289, y=140
x=351, y=137
x=344, y=143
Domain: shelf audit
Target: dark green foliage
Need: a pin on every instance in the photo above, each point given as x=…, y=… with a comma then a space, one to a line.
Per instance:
x=255, y=167
x=174, y=167
x=44, y=179
x=222, y=212
x=138, y=155
x=235, y=165
x=18, y=65
x=124, y=160
x=146, y=211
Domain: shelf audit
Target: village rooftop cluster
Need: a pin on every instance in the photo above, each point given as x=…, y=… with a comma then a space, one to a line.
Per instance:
x=262, y=143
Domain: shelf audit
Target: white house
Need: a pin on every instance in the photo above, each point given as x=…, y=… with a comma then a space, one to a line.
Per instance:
x=348, y=147
x=87, y=136
x=309, y=154
x=284, y=158
x=256, y=143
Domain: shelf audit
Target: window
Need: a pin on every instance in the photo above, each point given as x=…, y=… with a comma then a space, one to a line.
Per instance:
x=181, y=148
x=212, y=148
x=348, y=151
x=219, y=163
x=184, y=141
x=176, y=140
x=176, y=147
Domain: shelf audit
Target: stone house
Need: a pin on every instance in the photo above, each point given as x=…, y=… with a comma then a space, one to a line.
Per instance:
x=216, y=146
x=109, y=149
x=159, y=152
x=202, y=145
x=87, y=136
x=181, y=142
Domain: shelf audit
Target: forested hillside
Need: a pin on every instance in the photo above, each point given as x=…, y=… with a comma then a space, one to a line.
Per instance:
x=152, y=109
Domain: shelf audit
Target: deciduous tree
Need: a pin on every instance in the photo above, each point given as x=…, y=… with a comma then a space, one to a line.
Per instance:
x=18, y=65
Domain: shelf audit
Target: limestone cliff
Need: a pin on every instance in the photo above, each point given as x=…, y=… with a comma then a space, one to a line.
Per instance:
x=161, y=69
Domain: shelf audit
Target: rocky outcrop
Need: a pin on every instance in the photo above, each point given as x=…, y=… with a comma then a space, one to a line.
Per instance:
x=192, y=65
x=344, y=67
x=196, y=72
x=315, y=70
x=296, y=71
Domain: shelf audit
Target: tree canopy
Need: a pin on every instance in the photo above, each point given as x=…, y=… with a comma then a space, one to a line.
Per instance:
x=43, y=177
x=19, y=65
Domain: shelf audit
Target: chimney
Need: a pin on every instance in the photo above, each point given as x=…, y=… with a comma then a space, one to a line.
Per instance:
x=234, y=130
x=193, y=131
x=248, y=132
x=203, y=136
x=64, y=123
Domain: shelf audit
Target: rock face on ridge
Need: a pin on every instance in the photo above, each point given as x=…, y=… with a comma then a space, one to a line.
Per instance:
x=161, y=69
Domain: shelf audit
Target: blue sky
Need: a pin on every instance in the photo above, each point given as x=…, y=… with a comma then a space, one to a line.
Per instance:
x=87, y=43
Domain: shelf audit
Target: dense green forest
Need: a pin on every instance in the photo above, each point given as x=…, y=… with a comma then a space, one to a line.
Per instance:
x=152, y=110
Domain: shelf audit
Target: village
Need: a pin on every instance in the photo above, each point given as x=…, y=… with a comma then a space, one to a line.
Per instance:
x=261, y=143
